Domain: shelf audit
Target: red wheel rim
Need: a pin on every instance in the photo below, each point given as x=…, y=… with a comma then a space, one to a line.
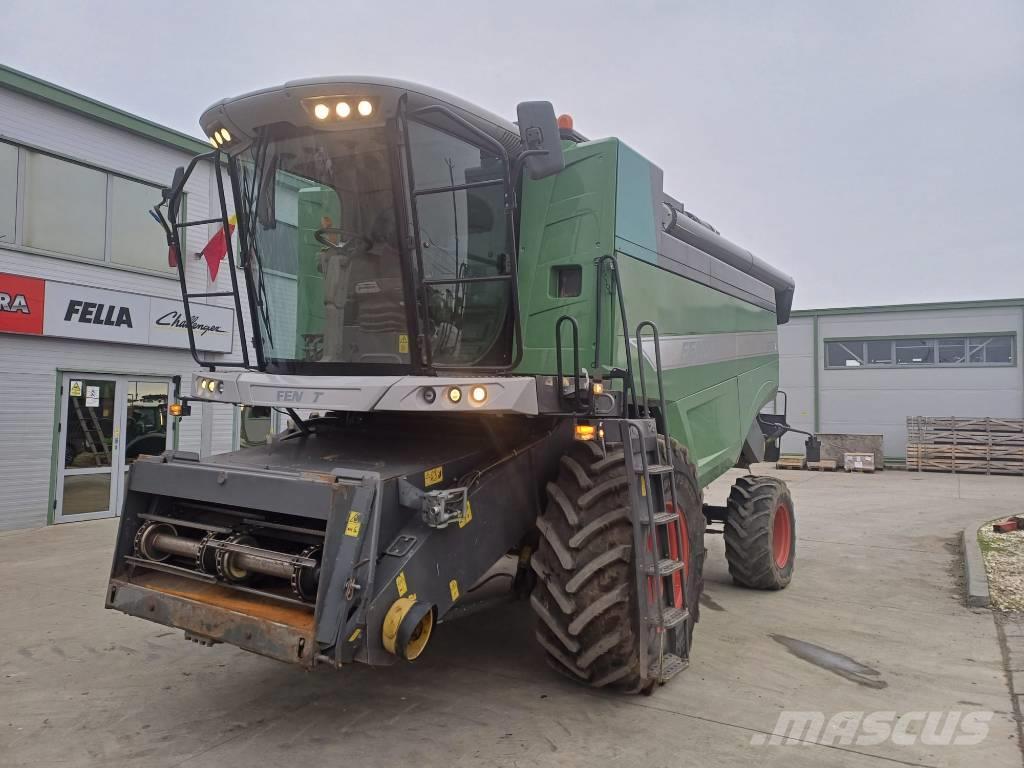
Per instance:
x=782, y=536
x=675, y=531
x=673, y=551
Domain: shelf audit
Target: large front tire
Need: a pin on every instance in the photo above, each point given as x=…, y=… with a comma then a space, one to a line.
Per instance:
x=585, y=597
x=760, y=533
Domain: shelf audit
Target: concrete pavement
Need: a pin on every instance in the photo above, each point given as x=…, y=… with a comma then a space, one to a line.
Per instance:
x=876, y=581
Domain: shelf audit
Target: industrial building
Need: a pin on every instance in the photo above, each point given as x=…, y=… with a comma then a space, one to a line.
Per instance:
x=865, y=370
x=92, y=329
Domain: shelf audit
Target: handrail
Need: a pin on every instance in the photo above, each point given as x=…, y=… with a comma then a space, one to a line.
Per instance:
x=575, y=358
x=172, y=230
x=657, y=370
x=629, y=384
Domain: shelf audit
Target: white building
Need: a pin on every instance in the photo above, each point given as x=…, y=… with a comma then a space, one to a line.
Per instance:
x=91, y=333
x=866, y=369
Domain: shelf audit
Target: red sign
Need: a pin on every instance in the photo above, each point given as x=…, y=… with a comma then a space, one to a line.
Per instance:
x=21, y=304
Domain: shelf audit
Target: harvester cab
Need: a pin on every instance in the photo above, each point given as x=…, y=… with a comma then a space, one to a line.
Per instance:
x=526, y=359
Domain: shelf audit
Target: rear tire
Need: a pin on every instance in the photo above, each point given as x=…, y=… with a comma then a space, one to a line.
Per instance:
x=760, y=533
x=585, y=598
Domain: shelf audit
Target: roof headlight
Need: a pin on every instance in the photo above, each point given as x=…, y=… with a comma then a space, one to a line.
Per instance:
x=365, y=108
x=321, y=111
x=343, y=109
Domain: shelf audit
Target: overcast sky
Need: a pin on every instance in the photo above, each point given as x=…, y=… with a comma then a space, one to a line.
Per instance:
x=874, y=149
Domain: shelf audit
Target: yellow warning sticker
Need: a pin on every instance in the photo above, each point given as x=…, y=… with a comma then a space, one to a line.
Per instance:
x=355, y=635
x=76, y=388
x=400, y=583
x=433, y=476
x=466, y=516
x=643, y=487
x=354, y=524
x=453, y=587
x=403, y=344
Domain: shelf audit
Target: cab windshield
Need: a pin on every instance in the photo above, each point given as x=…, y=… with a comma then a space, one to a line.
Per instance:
x=320, y=214
x=320, y=209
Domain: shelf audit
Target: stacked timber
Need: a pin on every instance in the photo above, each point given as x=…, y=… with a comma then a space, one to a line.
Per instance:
x=976, y=445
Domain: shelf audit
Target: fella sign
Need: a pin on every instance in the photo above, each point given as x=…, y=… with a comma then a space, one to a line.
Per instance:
x=81, y=312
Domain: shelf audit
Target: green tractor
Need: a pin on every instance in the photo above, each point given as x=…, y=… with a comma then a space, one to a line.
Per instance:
x=505, y=352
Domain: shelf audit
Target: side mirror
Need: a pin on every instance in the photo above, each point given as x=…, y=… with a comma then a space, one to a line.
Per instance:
x=173, y=193
x=538, y=128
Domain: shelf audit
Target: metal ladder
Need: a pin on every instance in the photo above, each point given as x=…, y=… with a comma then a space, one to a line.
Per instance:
x=655, y=516
x=654, y=511
x=93, y=441
x=176, y=240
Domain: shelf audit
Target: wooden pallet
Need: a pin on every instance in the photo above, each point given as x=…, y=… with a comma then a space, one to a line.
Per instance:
x=790, y=462
x=960, y=424
x=990, y=452
x=967, y=468
x=975, y=445
x=823, y=466
x=958, y=437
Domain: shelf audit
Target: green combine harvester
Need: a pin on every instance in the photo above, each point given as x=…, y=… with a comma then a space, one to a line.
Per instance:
x=505, y=352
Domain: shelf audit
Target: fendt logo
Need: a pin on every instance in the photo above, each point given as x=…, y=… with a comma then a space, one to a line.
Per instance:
x=298, y=395
x=21, y=304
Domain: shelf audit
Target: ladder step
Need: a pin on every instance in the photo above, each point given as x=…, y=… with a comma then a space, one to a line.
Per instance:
x=668, y=667
x=662, y=518
x=660, y=469
x=670, y=617
x=666, y=566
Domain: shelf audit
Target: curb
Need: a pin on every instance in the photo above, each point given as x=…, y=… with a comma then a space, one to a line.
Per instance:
x=975, y=578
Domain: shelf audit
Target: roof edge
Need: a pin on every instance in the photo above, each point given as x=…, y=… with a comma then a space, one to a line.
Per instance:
x=43, y=90
x=922, y=306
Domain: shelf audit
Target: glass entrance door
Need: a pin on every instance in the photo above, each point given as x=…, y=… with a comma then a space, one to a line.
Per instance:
x=85, y=479
x=146, y=427
x=106, y=424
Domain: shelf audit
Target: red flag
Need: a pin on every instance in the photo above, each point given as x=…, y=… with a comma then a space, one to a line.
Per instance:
x=215, y=250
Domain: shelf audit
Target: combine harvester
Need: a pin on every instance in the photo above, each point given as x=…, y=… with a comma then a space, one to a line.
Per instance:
x=520, y=348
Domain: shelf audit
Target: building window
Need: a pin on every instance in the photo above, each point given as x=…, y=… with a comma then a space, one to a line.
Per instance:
x=8, y=192
x=135, y=239
x=844, y=354
x=996, y=350
x=69, y=209
x=991, y=350
x=915, y=351
x=65, y=207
